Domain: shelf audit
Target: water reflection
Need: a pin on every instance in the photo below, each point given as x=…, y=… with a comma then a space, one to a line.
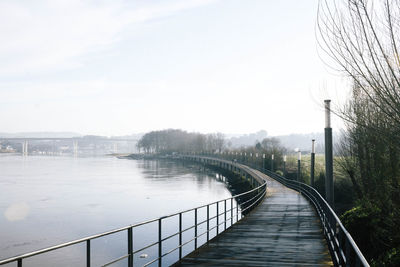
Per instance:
x=50, y=200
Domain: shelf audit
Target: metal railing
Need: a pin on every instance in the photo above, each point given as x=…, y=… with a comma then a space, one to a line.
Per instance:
x=244, y=203
x=344, y=251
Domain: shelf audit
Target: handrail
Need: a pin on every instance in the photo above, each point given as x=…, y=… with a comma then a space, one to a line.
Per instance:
x=333, y=227
x=344, y=251
x=259, y=192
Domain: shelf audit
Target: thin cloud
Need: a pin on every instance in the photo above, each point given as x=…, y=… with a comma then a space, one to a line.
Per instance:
x=52, y=35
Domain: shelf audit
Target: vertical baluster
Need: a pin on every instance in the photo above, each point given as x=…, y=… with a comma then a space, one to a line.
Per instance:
x=208, y=223
x=237, y=210
x=180, y=235
x=217, y=218
x=130, y=247
x=341, y=247
x=225, y=214
x=195, y=228
x=347, y=253
x=159, y=243
x=88, y=253
x=19, y=262
x=231, y=211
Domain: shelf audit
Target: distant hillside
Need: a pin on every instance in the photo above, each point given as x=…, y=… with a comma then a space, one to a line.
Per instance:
x=246, y=139
x=303, y=141
x=130, y=136
x=291, y=141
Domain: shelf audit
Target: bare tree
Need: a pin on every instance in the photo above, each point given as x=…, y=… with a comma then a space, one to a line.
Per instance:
x=362, y=38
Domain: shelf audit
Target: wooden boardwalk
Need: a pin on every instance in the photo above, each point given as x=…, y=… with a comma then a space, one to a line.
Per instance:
x=284, y=230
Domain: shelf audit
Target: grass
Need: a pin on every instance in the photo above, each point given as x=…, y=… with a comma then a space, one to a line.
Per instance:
x=291, y=166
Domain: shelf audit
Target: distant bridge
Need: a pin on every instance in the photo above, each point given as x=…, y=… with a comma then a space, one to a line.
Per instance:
x=16, y=139
x=75, y=141
x=279, y=222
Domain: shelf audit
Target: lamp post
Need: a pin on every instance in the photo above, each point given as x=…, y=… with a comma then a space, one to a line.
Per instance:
x=263, y=162
x=298, y=166
x=312, y=162
x=256, y=164
x=272, y=163
x=284, y=165
x=328, y=155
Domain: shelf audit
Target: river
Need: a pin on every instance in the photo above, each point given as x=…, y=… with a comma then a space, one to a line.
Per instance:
x=47, y=200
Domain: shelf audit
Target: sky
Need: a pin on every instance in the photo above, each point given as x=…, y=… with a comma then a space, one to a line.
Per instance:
x=121, y=67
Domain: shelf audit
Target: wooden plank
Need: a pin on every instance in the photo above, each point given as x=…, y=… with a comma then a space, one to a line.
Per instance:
x=284, y=230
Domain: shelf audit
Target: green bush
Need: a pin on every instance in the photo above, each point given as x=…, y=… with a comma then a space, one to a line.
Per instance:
x=390, y=259
x=368, y=225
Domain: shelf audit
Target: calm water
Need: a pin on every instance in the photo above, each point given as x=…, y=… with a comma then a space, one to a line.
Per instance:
x=49, y=200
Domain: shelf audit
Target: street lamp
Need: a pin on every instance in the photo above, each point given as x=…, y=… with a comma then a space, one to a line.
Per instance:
x=263, y=162
x=272, y=162
x=284, y=165
x=312, y=162
x=298, y=166
x=328, y=155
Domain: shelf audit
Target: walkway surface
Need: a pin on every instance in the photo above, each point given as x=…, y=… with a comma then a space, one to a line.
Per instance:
x=284, y=230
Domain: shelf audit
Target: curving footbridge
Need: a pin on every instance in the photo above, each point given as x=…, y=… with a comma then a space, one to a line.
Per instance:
x=279, y=222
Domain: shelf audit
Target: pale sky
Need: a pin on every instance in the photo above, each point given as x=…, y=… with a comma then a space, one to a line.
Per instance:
x=120, y=67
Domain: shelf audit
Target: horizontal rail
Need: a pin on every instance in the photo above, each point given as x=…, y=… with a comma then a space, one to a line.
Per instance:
x=74, y=242
x=344, y=251
x=329, y=220
x=144, y=248
x=116, y=260
x=260, y=189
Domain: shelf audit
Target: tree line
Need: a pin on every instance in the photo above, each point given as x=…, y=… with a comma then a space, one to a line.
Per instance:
x=361, y=39
x=179, y=141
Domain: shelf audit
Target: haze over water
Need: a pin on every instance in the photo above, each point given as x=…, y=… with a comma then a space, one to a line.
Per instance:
x=45, y=201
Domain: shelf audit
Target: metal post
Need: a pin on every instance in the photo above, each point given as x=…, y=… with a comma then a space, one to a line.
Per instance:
x=312, y=173
x=272, y=163
x=159, y=243
x=284, y=165
x=180, y=235
x=19, y=263
x=217, y=218
x=195, y=228
x=231, y=211
x=263, y=162
x=299, y=166
x=208, y=223
x=237, y=211
x=328, y=155
x=256, y=163
x=130, y=247
x=88, y=253
x=225, y=214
